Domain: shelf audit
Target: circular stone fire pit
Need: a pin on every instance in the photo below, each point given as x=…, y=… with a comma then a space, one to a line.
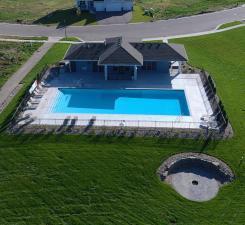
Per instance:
x=195, y=176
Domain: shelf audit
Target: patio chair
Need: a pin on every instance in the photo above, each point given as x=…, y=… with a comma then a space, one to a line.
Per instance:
x=214, y=125
x=204, y=124
x=45, y=84
x=210, y=117
x=31, y=107
x=37, y=96
x=38, y=91
x=32, y=104
x=209, y=125
x=35, y=101
x=41, y=88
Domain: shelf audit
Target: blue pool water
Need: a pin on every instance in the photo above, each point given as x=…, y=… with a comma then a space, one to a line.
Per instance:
x=100, y=101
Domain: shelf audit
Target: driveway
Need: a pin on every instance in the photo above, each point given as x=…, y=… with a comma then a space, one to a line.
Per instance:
x=133, y=32
x=107, y=18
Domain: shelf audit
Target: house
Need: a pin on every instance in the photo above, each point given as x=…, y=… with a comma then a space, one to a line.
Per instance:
x=104, y=5
x=117, y=59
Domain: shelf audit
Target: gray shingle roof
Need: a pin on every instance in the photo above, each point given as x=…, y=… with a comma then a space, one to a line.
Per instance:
x=121, y=53
x=161, y=51
x=126, y=53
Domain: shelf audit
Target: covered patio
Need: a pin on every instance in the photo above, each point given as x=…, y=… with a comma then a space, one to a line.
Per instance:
x=145, y=79
x=117, y=59
x=121, y=59
x=127, y=72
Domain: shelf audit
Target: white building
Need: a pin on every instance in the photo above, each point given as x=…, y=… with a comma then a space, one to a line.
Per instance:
x=105, y=5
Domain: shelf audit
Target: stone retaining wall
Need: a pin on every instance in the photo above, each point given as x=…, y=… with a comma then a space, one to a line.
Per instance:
x=164, y=169
x=119, y=131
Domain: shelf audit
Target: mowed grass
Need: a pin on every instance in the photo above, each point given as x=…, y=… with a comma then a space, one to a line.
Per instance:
x=61, y=12
x=12, y=56
x=30, y=10
x=24, y=38
x=49, y=179
x=48, y=12
x=177, y=8
x=66, y=17
x=138, y=15
x=231, y=24
x=71, y=39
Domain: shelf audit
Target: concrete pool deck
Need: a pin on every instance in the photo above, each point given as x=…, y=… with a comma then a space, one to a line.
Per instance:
x=196, y=99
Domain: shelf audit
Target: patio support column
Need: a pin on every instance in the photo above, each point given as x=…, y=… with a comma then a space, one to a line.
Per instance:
x=70, y=66
x=135, y=72
x=106, y=72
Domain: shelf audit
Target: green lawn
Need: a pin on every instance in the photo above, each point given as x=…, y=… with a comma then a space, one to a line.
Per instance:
x=56, y=11
x=24, y=38
x=71, y=39
x=154, y=41
x=30, y=10
x=66, y=17
x=139, y=15
x=49, y=179
x=231, y=24
x=164, y=9
x=49, y=12
x=12, y=56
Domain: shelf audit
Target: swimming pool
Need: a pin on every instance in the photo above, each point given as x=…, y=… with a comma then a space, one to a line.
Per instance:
x=133, y=101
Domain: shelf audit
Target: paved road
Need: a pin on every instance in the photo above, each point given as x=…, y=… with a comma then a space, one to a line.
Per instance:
x=186, y=25
x=12, y=86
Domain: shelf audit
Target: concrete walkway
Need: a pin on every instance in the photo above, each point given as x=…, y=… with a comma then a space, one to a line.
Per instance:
x=13, y=85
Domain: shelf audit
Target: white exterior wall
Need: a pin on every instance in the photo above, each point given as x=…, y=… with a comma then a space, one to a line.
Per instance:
x=99, y=6
x=128, y=5
x=77, y=2
x=114, y=5
x=86, y=2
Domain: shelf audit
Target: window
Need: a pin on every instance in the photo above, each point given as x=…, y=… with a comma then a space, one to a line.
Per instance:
x=175, y=67
x=149, y=66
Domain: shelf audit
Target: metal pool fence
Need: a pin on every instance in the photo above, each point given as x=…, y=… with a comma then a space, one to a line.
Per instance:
x=207, y=87
x=126, y=128
x=93, y=122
